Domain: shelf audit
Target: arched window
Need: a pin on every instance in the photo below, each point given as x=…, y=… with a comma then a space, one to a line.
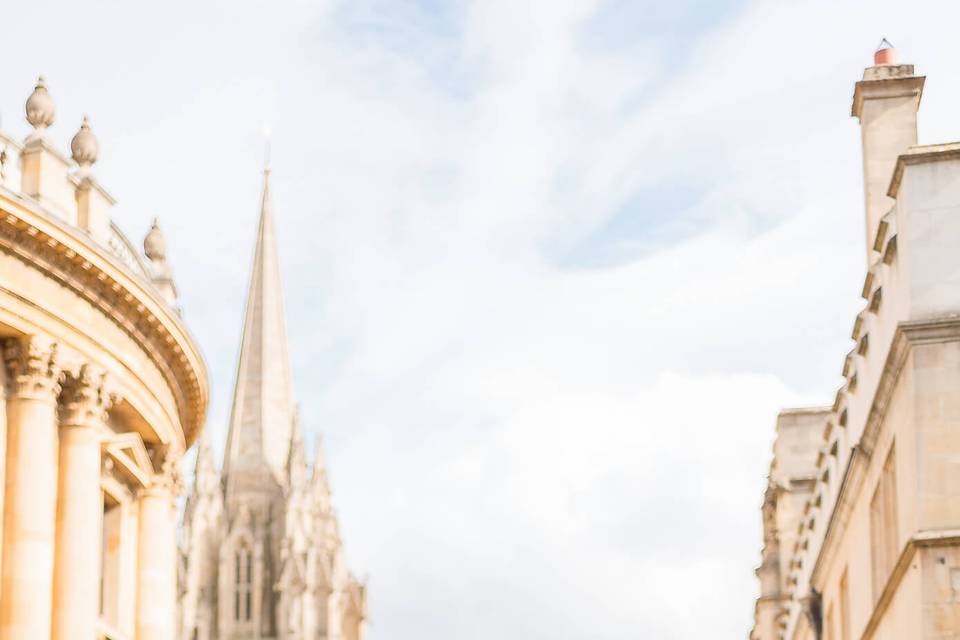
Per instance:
x=243, y=582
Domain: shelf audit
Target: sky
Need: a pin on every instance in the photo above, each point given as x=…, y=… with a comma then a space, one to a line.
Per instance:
x=551, y=267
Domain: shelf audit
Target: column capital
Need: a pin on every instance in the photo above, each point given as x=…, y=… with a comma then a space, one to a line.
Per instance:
x=33, y=367
x=86, y=398
x=169, y=481
x=171, y=475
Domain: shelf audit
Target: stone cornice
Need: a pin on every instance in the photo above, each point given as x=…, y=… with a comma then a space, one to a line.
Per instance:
x=922, y=539
x=89, y=181
x=43, y=143
x=804, y=411
x=893, y=86
x=68, y=256
x=908, y=334
x=920, y=154
x=850, y=484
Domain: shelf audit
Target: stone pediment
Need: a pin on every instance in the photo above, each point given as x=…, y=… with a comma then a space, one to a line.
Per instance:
x=129, y=457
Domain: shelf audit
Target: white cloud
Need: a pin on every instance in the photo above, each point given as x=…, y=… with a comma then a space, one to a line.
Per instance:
x=546, y=296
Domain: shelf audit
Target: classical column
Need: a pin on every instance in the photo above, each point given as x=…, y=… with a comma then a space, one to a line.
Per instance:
x=3, y=442
x=157, y=557
x=30, y=488
x=76, y=569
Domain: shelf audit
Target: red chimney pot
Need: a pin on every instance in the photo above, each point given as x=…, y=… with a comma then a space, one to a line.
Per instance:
x=885, y=54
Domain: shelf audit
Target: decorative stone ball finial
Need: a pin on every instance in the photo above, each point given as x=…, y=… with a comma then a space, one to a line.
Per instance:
x=84, y=145
x=154, y=245
x=40, y=108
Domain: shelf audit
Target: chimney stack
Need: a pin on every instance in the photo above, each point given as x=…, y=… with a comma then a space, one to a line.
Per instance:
x=886, y=103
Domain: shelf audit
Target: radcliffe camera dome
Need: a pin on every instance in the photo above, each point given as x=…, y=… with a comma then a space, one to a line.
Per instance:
x=84, y=145
x=40, y=108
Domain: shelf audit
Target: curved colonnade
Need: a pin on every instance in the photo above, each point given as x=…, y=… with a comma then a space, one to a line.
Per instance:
x=102, y=390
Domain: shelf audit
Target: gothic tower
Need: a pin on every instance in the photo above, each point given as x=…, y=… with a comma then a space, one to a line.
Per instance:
x=262, y=556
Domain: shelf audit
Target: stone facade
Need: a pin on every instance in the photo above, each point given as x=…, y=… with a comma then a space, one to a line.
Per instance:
x=861, y=518
x=102, y=390
x=261, y=552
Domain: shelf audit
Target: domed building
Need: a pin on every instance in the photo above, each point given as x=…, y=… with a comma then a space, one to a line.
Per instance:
x=102, y=390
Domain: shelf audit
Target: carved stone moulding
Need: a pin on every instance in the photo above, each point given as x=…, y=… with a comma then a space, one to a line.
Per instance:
x=65, y=256
x=33, y=367
x=85, y=398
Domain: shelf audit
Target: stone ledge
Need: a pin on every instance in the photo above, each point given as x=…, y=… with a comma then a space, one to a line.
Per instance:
x=67, y=256
x=920, y=154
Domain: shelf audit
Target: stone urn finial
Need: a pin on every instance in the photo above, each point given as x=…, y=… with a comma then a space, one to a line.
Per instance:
x=40, y=108
x=84, y=145
x=154, y=245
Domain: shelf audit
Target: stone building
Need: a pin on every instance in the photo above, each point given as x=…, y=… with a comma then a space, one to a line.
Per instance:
x=261, y=549
x=861, y=517
x=102, y=389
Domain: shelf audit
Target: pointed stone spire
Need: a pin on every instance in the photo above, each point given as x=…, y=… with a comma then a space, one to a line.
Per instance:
x=320, y=486
x=262, y=418
x=296, y=458
x=205, y=476
x=319, y=461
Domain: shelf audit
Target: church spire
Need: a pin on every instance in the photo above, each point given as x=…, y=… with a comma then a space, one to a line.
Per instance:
x=263, y=407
